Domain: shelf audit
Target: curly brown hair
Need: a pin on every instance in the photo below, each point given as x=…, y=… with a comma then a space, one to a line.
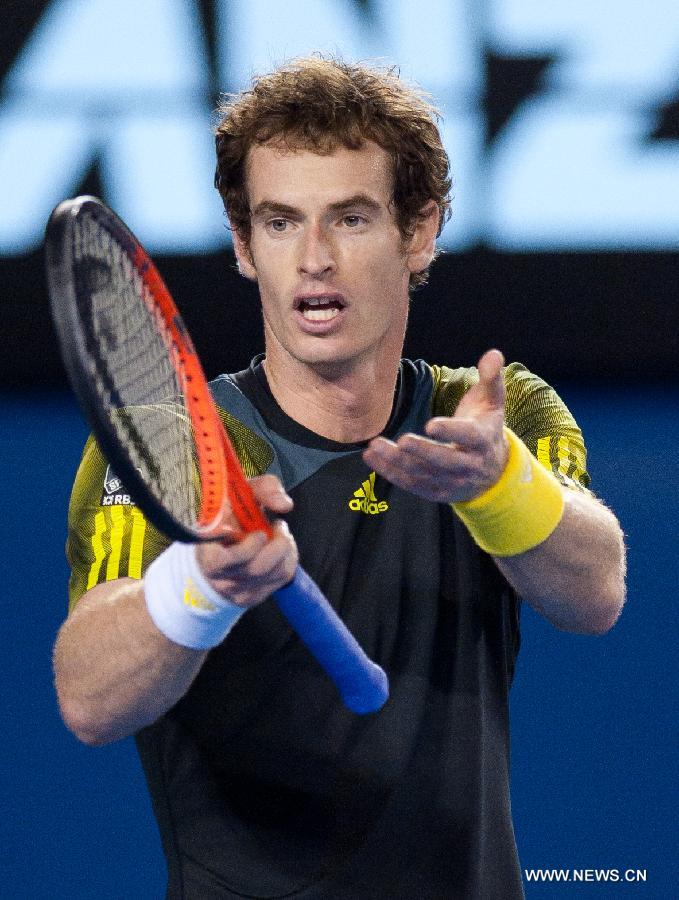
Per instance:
x=317, y=103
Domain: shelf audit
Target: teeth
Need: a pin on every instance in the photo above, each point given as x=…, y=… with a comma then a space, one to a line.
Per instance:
x=320, y=315
x=316, y=301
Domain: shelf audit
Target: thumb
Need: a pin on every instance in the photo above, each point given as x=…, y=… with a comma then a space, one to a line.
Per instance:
x=271, y=494
x=488, y=394
x=491, y=380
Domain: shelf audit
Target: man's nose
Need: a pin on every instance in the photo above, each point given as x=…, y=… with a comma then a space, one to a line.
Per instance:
x=317, y=254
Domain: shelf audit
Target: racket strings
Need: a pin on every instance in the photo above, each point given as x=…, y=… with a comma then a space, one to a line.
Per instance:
x=131, y=370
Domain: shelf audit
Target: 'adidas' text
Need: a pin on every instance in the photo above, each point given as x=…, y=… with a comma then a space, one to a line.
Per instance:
x=364, y=499
x=366, y=506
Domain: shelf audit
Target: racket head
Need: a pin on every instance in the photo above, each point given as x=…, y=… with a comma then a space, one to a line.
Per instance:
x=112, y=311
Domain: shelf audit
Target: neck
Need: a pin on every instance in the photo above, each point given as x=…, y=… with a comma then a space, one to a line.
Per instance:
x=349, y=404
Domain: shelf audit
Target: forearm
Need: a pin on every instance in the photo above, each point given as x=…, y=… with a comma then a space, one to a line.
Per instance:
x=114, y=670
x=576, y=577
x=117, y=671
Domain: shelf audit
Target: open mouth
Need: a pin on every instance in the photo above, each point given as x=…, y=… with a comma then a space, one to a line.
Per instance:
x=319, y=309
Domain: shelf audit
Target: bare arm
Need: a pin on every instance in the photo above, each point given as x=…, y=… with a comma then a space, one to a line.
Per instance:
x=575, y=578
x=115, y=672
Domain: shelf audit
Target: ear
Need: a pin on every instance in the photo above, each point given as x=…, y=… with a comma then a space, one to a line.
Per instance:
x=246, y=265
x=420, y=248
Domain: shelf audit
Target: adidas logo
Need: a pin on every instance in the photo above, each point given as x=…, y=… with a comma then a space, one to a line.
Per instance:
x=364, y=499
x=195, y=600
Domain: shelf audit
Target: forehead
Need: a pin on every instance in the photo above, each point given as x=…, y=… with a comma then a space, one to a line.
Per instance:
x=292, y=176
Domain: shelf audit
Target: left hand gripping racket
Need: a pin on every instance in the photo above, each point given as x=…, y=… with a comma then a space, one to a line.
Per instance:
x=140, y=384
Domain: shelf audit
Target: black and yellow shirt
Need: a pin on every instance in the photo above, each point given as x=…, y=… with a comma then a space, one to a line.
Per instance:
x=263, y=784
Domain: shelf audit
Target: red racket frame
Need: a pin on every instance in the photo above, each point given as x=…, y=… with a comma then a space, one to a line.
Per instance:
x=220, y=470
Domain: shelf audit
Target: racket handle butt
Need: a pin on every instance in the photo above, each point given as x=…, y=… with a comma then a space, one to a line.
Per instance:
x=373, y=693
x=362, y=684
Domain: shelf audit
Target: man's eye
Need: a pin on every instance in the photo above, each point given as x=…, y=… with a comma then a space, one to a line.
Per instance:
x=353, y=221
x=278, y=224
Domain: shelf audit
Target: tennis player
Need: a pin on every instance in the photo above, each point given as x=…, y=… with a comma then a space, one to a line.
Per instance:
x=428, y=501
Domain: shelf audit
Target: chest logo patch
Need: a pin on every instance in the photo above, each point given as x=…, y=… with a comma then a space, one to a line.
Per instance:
x=365, y=501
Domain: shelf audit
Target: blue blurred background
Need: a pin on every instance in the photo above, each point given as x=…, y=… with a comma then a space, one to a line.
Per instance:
x=562, y=122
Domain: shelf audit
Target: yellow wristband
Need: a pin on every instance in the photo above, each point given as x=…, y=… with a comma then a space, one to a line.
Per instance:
x=520, y=510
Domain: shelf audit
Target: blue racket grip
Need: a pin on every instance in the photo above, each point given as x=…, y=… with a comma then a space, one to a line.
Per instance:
x=362, y=684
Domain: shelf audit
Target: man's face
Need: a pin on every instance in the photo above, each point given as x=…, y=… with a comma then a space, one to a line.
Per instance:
x=327, y=254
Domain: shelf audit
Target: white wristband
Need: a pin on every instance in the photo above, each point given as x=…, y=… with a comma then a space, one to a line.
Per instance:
x=183, y=604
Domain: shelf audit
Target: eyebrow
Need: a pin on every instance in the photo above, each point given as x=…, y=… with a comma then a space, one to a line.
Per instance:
x=274, y=207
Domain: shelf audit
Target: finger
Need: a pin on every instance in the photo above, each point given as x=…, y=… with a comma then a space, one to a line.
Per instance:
x=272, y=567
x=422, y=462
x=216, y=558
x=422, y=456
x=278, y=558
x=402, y=453
x=465, y=433
x=403, y=466
x=422, y=480
x=269, y=492
x=491, y=379
x=380, y=452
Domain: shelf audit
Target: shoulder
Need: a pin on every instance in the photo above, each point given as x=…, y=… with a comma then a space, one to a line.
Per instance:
x=532, y=403
x=449, y=386
x=524, y=389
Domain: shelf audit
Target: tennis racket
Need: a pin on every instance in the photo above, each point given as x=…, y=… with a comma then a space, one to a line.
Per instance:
x=140, y=384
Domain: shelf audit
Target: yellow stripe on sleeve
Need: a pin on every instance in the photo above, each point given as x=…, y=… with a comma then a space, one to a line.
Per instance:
x=564, y=456
x=98, y=548
x=117, y=530
x=136, y=544
x=544, y=452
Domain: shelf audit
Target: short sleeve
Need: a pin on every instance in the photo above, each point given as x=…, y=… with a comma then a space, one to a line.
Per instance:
x=537, y=414
x=108, y=536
